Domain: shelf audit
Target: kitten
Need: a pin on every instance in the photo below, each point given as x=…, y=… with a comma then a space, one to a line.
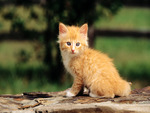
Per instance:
x=90, y=68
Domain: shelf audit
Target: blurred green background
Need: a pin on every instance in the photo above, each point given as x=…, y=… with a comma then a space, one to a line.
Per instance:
x=29, y=55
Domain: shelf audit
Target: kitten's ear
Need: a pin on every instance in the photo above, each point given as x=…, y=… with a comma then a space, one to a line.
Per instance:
x=62, y=28
x=84, y=29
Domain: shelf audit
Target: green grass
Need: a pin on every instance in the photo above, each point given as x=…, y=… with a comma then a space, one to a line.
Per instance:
x=22, y=68
x=127, y=18
x=131, y=56
x=19, y=79
x=13, y=52
x=17, y=85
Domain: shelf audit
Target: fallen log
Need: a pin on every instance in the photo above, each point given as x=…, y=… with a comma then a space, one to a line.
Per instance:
x=47, y=102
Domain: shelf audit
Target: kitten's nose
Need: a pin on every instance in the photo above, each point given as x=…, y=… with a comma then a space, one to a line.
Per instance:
x=73, y=50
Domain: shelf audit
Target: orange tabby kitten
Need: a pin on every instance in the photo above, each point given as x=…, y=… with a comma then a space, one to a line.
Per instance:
x=90, y=68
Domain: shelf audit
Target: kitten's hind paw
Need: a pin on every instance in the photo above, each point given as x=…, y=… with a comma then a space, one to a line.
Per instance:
x=102, y=97
x=69, y=94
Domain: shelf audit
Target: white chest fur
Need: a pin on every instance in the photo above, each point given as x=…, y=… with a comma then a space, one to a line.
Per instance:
x=66, y=61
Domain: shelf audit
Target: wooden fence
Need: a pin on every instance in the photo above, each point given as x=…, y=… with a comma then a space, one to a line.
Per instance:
x=97, y=32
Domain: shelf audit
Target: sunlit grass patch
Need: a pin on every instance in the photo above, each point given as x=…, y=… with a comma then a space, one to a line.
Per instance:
x=131, y=56
x=128, y=18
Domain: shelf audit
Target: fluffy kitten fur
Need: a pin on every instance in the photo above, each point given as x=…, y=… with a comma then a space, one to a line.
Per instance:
x=90, y=68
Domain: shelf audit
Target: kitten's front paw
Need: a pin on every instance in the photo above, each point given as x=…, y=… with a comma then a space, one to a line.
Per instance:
x=69, y=94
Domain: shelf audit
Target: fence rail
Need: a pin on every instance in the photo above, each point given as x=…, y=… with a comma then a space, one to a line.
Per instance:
x=122, y=33
x=97, y=32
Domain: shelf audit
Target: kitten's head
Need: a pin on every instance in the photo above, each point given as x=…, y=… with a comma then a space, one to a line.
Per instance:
x=72, y=39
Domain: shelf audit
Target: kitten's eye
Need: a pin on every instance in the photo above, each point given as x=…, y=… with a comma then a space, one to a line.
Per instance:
x=69, y=43
x=77, y=44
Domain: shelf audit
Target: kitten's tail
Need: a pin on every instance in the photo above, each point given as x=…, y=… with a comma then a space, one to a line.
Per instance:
x=124, y=89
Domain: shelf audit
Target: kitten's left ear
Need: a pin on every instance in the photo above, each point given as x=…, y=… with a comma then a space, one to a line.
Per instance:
x=62, y=28
x=84, y=29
